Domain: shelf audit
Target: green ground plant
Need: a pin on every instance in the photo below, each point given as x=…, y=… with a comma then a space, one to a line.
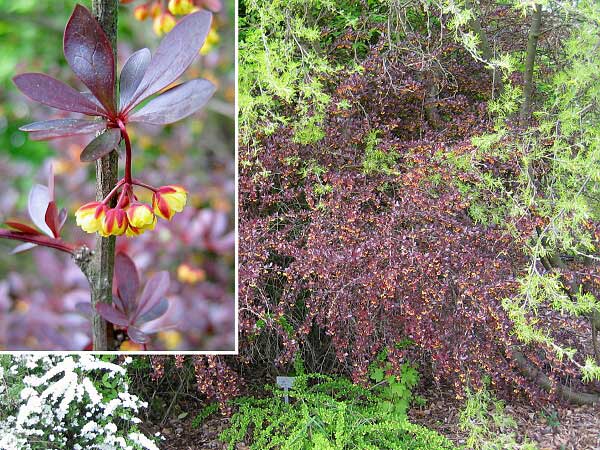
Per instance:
x=487, y=424
x=328, y=413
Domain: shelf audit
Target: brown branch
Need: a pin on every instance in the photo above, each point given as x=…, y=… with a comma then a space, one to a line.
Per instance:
x=102, y=266
x=532, y=41
x=542, y=380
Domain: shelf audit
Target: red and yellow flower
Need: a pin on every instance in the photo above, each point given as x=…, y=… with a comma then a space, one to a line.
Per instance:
x=169, y=200
x=141, y=218
x=90, y=216
x=114, y=223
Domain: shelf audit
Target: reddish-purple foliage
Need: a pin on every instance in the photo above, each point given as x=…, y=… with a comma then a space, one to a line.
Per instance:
x=341, y=275
x=90, y=56
x=137, y=313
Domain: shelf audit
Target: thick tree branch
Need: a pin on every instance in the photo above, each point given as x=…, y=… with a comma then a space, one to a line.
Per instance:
x=102, y=268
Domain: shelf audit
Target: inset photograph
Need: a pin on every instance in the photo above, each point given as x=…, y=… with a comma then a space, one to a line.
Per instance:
x=117, y=149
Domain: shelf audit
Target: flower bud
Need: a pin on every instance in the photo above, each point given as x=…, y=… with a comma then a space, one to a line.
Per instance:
x=114, y=223
x=141, y=12
x=163, y=24
x=169, y=200
x=89, y=217
x=181, y=7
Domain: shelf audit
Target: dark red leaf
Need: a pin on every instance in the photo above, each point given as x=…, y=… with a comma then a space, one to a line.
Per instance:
x=52, y=129
x=89, y=53
x=153, y=292
x=38, y=239
x=39, y=199
x=127, y=280
x=173, y=56
x=132, y=74
x=101, y=145
x=54, y=93
x=22, y=227
x=110, y=314
x=52, y=219
x=175, y=104
x=137, y=335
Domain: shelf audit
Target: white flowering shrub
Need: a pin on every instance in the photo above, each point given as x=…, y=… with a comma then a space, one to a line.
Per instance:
x=68, y=402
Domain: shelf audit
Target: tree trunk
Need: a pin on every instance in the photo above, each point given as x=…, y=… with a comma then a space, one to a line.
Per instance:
x=532, y=41
x=101, y=276
x=484, y=44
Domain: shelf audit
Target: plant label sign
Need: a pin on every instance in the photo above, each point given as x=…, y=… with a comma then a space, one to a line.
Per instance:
x=286, y=383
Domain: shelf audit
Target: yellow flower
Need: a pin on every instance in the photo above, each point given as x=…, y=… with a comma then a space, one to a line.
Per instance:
x=163, y=24
x=212, y=40
x=140, y=215
x=89, y=217
x=114, y=223
x=130, y=346
x=190, y=275
x=141, y=12
x=133, y=231
x=181, y=7
x=169, y=200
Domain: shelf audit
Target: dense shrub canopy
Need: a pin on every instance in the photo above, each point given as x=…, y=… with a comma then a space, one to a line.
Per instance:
x=402, y=207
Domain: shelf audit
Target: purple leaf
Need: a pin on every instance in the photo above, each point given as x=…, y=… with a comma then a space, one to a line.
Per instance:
x=118, y=303
x=173, y=56
x=154, y=291
x=51, y=129
x=23, y=248
x=137, y=335
x=92, y=98
x=158, y=310
x=62, y=218
x=159, y=325
x=90, y=55
x=176, y=103
x=51, y=219
x=127, y=280
x=132, y=74
x=54, y=93
x=110, y=314
x=39, y=199
x=101, y=145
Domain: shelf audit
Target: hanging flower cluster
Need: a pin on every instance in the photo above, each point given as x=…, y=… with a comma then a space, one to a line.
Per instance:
x=130, y=216
x=89, y=53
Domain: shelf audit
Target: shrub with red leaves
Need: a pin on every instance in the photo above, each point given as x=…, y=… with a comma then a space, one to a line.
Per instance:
x=338, y=264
